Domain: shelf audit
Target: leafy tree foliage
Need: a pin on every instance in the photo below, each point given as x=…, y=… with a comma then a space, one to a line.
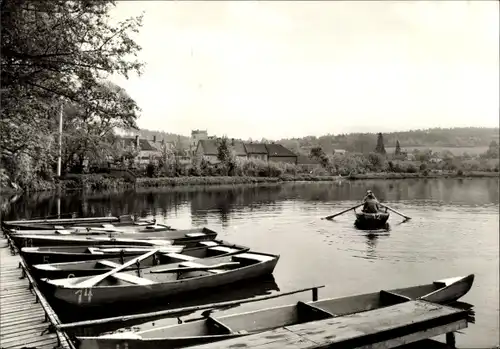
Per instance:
x=493, y=150
x=61, y=52
x=397, y=151
x=319, y=155
x=380, y=148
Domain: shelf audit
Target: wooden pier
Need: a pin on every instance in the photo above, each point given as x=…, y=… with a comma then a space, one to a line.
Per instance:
x=26, y=319
x=389, y=327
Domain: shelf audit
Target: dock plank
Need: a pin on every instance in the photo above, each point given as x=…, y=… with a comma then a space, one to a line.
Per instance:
x=22, y=319
x=388, y=327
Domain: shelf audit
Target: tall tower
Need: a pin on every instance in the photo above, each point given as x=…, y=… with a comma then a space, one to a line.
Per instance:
x=196, y=136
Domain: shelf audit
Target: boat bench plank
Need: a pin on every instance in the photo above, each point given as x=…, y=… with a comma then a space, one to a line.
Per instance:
x=94, y=250
x=379, y=328
x=108, y=263
x=180, y=256
x=132, y=279
x=223, y=249
x=218, y=325
x=388, y=297
x=209, y=243
x=308, y=312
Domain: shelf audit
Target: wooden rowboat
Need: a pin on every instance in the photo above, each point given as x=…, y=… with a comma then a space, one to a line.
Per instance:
x=86, y=261
x=50, y=223
x=104, y=229
x=161, y=282
x=185, y=236
x=371, y=220
x=98, y=222
x=216, y=328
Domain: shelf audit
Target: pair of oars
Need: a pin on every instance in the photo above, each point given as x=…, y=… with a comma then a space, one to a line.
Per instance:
x=355, y=207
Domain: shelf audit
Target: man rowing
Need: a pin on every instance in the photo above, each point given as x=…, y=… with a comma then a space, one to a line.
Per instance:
x=371, y=204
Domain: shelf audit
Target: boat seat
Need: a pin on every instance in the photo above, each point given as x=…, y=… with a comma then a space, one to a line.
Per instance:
x=108, y=263
x=180, y=256
x=196, y=265
x=219, y=326
x=209, y=243
x=391, y=298
x=195, y=235
x=223, y=249
x=64, y=231
x=94, y=250
x=132, y=279
x=309, y=312
x=253, y=257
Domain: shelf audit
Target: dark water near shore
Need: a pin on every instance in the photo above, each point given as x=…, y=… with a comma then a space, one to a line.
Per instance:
x=454, y=231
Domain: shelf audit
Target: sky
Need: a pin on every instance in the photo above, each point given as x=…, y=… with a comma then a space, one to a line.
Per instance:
x=282, y=69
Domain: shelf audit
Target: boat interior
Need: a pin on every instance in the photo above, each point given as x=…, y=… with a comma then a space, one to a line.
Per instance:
x=207, y=249
x=276, y=317
x=189, y=268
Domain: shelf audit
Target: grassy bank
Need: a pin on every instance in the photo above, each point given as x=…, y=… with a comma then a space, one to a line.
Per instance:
x=103, y=182
x=392, y=175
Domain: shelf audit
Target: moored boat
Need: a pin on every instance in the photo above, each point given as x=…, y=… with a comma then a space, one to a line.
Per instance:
x=216, y=328
x=86, y=261
x=161, y=237
x=29, y=224
x=371, y=220
x=161, y=281
x=152, y=229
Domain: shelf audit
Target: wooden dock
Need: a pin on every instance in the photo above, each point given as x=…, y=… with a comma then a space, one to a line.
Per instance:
x=26, y=319
x=389, y=327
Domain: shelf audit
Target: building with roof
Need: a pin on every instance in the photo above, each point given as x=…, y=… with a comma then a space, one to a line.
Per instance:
x=208, y=150
x=149, y=150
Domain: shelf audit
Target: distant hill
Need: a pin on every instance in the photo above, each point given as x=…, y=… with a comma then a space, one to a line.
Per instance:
x=460, y=137
x=464, y=137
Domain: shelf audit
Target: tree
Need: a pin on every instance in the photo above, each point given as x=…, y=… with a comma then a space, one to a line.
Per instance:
x=53, y=50
x=226, y=156
x=380, y=148
x=319, y=155
x=493, y=150
x=397, y=151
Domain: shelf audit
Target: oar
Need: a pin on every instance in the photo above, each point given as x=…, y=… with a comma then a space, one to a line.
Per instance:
x=201, y=267
x=338, y=214
x=94, y=280
x=399, y=213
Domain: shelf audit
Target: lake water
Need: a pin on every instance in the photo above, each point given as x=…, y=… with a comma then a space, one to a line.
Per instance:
x=454, y=231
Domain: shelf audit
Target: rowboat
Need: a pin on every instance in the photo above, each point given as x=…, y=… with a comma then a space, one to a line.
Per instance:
x=371, y=220
x=159, y=281
x=30, y=224
x=216, y=328
x=86, y=261
x=90, y=222
x=36, y=256
x=103, y=229
x=184, y=237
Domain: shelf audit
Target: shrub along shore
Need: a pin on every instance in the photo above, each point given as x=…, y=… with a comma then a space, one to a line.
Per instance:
x=94, y=182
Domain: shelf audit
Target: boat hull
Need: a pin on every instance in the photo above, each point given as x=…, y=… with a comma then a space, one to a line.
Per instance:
x=371, y=220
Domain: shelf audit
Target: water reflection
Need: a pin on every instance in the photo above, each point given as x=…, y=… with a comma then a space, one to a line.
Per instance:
x=223, y=201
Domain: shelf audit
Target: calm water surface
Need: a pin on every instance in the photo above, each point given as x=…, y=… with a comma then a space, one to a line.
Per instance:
x=454, y=231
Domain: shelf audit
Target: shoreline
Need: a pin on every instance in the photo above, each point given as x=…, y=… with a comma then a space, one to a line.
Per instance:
x=100, y=182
